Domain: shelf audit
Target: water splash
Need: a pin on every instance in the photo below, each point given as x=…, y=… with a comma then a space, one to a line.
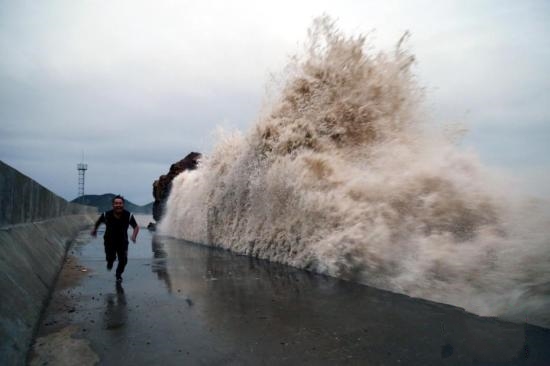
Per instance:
x=343, y=176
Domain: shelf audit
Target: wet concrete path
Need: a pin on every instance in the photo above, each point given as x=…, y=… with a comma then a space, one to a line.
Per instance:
x=185, y=304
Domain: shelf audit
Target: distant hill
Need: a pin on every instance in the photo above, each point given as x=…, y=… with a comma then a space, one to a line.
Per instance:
x=103, y=202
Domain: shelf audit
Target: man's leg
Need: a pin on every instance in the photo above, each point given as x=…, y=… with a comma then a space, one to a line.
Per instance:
x=122, y=254
x=110, y=254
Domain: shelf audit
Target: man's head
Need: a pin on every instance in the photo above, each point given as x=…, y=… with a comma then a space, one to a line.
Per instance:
x=118, y=203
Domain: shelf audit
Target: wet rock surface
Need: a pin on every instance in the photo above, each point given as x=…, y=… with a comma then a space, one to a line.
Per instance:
x=183, y=303
x=161, y=187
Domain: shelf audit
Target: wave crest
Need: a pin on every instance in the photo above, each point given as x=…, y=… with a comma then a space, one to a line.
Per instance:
x=343, y=177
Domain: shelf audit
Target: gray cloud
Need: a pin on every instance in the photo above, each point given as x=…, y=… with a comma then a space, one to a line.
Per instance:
x=136, y=85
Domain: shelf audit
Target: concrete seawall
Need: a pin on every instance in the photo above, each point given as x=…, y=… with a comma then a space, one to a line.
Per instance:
x=36, y=227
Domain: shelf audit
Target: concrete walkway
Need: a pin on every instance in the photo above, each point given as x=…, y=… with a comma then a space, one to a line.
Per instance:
x=185, y=304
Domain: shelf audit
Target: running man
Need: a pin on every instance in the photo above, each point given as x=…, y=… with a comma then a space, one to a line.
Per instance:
x=115, y=239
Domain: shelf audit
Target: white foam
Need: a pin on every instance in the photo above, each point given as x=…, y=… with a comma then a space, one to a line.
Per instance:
x=343, y=177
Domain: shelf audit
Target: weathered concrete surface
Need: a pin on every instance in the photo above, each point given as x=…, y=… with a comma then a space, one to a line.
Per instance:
x=35, y=228
x=186, y=304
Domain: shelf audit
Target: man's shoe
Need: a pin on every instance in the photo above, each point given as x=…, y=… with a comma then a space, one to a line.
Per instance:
x=109, y=266
x=118, y=278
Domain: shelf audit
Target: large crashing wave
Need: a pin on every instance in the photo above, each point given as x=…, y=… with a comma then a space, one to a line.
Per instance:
x=343, y=177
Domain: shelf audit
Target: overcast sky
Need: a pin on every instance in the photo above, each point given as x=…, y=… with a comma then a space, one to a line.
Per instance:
x=136, y=85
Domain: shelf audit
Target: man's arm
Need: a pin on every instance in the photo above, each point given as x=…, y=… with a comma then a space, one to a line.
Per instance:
x=135, y=234
x=100, y=220
x=135, y=226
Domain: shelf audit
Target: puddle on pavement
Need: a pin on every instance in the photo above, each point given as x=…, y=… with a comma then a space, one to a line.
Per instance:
x=182, y=302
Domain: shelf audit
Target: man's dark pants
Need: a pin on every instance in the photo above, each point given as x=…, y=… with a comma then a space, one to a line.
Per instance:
x=114, y=250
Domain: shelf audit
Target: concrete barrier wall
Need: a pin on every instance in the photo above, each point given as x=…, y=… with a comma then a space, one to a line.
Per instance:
x=36, y=227
x=22, y=200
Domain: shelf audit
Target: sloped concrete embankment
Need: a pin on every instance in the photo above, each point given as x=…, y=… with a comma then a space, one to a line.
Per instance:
x=36, y=227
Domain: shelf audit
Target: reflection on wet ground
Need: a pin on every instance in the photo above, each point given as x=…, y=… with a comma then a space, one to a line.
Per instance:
x=115, y=309
x=184, y=303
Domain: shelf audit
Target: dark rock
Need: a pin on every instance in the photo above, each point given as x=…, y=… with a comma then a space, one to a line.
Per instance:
x=161, y=187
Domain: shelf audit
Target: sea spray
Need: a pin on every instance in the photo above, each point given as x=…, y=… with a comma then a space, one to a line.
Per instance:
x=343, y=176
